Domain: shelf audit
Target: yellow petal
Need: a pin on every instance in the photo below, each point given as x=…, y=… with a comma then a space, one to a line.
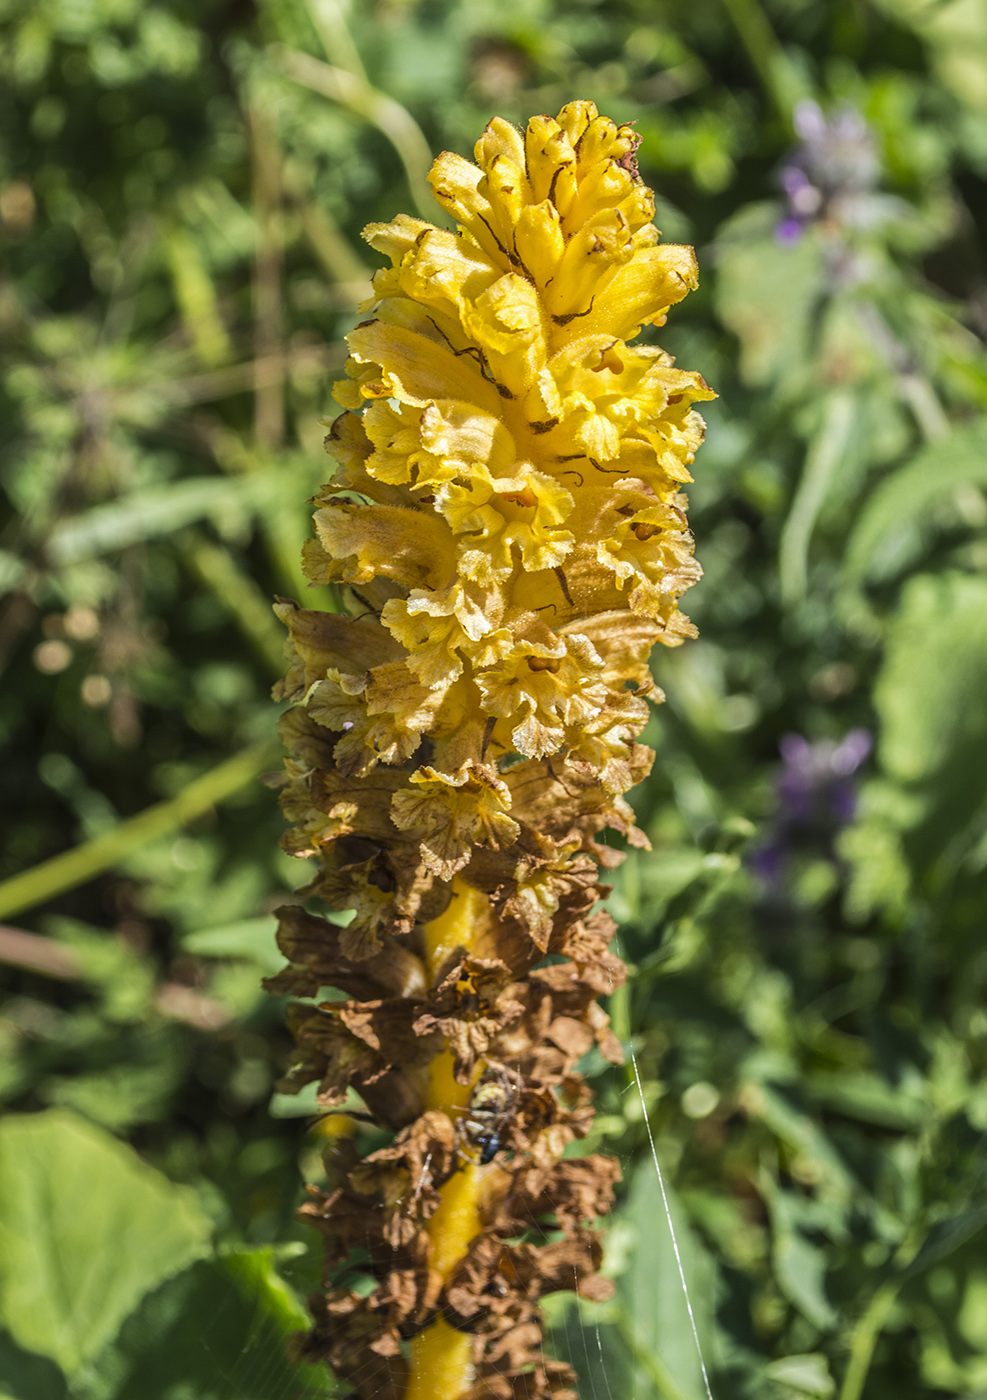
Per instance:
x=405, y=545
x=398, y=237
x=455, y=184
x=539, y=241
x=452, y=812
x=591, y=258
x=417, y=368
x=499, y=139
x=575, y=117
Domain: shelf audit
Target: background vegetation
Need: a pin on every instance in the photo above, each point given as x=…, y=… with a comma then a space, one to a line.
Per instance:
x=182, y=188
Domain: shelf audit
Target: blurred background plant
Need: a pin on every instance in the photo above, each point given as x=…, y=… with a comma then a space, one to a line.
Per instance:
x=181, y=193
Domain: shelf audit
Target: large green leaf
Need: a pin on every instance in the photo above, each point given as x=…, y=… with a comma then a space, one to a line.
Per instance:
x=86, y=1229
x=904, y=508
x=250, y=939
x=766, y=292
x=156, y=511
x=956, y=33
x=27, y=1376
x=781, y=1108
x=216, y=1332
x=799, y=1263
x=580, y=1334
x=946, y=1236
x=659, y=1313
x=930, y=693
x=802, y=1375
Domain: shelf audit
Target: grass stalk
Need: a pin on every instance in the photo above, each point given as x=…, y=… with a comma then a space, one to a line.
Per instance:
x=268, y=259
x=869, y=1326
x=72, y=868
x=217, y=568
x=352, y=91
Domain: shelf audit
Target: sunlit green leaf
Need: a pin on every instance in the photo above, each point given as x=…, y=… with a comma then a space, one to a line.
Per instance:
x=803, y=1375
x=218, y=1331
x=930, y=693
x=86, y=1229
x=253, y=939
x=158, y=511
x=670, y=1321
x=902, y=512
x=947, y=1236
x=766, y=292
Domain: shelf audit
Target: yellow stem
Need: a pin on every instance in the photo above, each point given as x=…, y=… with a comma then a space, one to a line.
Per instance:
x=441, y=1357
x=441, y=1363
x=458, y=927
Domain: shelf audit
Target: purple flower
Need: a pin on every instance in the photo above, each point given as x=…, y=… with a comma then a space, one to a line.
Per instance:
x=832, y=174
x=788, y=231
x=815, y=781
x=817, y=797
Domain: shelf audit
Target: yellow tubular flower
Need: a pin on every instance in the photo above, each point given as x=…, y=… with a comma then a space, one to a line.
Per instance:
x=509, y=521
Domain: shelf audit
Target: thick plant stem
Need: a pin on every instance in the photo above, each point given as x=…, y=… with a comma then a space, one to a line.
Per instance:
x=459, y=927
x=441, y=1363
x=441, y=1357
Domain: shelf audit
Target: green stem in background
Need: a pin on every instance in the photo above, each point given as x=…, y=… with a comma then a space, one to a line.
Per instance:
x=312, y=361
x=268, y=263
x=282, y=522
x=329, y=19
x=769, y=59
x=281, y=535
x=864, y=1339
x=243, y=600
x=352, y=91
x=620, y=1013
x=198, y=302
x=619, y=1010
x=350, y=276
x=870, y=1323
x=914, y=386
x=823, y=460
x=75, y=867
x=924, y=403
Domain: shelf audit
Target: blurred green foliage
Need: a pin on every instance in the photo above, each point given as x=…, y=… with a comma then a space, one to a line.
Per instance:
x=181, y=193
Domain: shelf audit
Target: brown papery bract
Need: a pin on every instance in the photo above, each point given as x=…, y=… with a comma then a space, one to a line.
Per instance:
x=508, y=524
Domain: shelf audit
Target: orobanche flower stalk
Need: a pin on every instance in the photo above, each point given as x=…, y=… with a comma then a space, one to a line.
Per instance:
x=508, y=523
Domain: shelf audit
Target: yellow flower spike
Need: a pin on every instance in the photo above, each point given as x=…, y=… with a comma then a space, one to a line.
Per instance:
x=509, y=524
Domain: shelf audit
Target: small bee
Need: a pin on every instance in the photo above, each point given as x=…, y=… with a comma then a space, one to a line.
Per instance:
x=490, y=1110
